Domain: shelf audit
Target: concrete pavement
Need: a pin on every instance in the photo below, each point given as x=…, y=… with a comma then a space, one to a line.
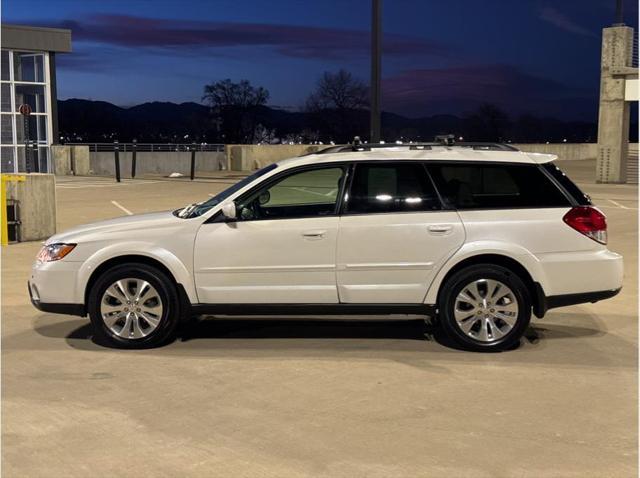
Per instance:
x=331, y=398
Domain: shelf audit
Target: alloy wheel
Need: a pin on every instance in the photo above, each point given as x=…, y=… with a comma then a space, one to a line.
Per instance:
x=131, y=308
x=486, y=310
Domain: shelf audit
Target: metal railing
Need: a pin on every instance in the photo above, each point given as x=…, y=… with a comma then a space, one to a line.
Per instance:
x=151, y=147
x=134, y=148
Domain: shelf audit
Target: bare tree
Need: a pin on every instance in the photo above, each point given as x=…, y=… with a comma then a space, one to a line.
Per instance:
x=264, y=135
x=488, y=123
x=338, y=106
x=340, y=91
x=235, y=104
x=227, y=93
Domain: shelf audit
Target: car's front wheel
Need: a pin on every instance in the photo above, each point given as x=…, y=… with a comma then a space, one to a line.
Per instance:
x=485, y=307
x=134, y=306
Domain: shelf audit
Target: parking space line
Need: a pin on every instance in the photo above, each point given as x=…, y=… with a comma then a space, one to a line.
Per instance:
x=616, y=207
x=78, y=184
x=617, y=204
x=121, y=207
x=308, y=191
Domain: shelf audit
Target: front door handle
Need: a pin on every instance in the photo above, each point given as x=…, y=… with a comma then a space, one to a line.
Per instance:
x=441, y=229
x=313, y=235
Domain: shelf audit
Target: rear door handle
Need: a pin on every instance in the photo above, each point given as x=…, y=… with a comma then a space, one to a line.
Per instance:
x=440, y=229
x=313, y=235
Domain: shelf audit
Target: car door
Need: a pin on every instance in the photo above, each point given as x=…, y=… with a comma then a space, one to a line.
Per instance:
x=282, y=247
x=394, y=234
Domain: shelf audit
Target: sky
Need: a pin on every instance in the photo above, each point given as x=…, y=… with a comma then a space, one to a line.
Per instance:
x=439, y=56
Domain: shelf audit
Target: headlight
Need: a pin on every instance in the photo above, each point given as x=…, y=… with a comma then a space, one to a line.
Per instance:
x=54, y=252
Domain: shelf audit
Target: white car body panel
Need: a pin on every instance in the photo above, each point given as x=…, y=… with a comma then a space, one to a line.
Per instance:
x=391, y=258
x=160, y=236
x=267, y=261
x=548, y=249
x=375, y=258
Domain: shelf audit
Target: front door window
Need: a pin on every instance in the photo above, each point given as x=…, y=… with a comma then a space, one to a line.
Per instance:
x=309, y=193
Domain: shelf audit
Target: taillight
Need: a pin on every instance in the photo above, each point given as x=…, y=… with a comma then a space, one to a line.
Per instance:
x=588, y=221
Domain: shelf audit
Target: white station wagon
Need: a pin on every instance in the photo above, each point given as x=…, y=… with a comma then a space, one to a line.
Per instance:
x=475, y=236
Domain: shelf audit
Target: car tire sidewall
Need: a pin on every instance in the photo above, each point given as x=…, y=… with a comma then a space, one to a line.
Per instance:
x=166, y=290
x=460, y=279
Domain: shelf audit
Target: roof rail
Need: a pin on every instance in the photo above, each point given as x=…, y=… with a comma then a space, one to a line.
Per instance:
x=447, y=141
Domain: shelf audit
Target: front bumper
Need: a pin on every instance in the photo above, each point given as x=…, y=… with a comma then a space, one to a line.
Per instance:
x=54, y=308
x=52, y=288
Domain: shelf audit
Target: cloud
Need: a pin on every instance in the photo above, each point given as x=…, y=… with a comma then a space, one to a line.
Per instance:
x=288, y=40
x=84, y=60
x=559, y=20
x=460, y=90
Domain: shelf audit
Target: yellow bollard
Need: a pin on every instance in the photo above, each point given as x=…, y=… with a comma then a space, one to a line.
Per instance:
x=4, y=228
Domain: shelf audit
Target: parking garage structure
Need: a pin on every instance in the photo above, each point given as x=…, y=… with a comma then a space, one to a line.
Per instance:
x=28, y=76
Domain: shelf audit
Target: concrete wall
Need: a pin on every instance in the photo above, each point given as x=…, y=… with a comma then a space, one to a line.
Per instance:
x=157, y=162
x=251, y=157
x=70, y=160
x=247, y=157
x=37, y=205
x=238, y=157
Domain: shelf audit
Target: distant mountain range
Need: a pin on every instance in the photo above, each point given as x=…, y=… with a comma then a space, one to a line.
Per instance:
x=103, y=121
x=98, y=121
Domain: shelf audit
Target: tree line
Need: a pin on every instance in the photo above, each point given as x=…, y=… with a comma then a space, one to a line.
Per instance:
x=337, y=110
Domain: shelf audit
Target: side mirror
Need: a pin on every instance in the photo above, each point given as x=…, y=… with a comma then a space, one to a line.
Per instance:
x=264, y=198
x=229, y=211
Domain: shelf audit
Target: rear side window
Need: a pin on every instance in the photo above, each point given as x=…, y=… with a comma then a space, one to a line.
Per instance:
x=570, y=187
x=385, y=187
x=488, y=186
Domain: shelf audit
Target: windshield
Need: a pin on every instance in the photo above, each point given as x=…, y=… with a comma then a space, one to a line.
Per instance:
x=198, y=209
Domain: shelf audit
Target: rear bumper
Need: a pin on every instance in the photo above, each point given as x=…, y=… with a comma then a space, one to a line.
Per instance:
x=575, y=273
x=55, y=308
x=572, y=299
x=543, y=303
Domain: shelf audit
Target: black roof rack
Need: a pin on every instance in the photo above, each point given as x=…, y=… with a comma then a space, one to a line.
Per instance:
x=440, y=141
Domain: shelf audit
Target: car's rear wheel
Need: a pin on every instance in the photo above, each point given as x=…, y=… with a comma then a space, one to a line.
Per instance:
x=134, y=306
x=485, y=307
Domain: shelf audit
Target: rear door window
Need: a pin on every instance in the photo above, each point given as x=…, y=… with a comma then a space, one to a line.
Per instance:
x=391, y=187
x=495, y=186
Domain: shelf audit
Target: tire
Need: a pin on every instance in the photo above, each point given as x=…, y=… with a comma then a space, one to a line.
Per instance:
x=150, y=322
x=493, y=321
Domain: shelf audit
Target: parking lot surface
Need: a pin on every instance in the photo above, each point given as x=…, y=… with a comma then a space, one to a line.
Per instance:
x=340, y=397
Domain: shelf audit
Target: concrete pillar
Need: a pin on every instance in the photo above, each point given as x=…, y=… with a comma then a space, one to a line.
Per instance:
x=613, y=119
x=61, y=160
x=80, y=160
x=36, y=198
x=69, y=160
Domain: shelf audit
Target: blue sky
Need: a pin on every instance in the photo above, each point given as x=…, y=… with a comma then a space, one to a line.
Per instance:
x=537, y=56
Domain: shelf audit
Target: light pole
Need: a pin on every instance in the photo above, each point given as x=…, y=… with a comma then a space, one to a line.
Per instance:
x=619, y=14
x=376, y=32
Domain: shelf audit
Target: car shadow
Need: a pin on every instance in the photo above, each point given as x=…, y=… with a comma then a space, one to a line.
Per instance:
x=304, y=335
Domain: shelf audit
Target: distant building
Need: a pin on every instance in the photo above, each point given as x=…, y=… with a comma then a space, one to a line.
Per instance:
x=28, y=76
